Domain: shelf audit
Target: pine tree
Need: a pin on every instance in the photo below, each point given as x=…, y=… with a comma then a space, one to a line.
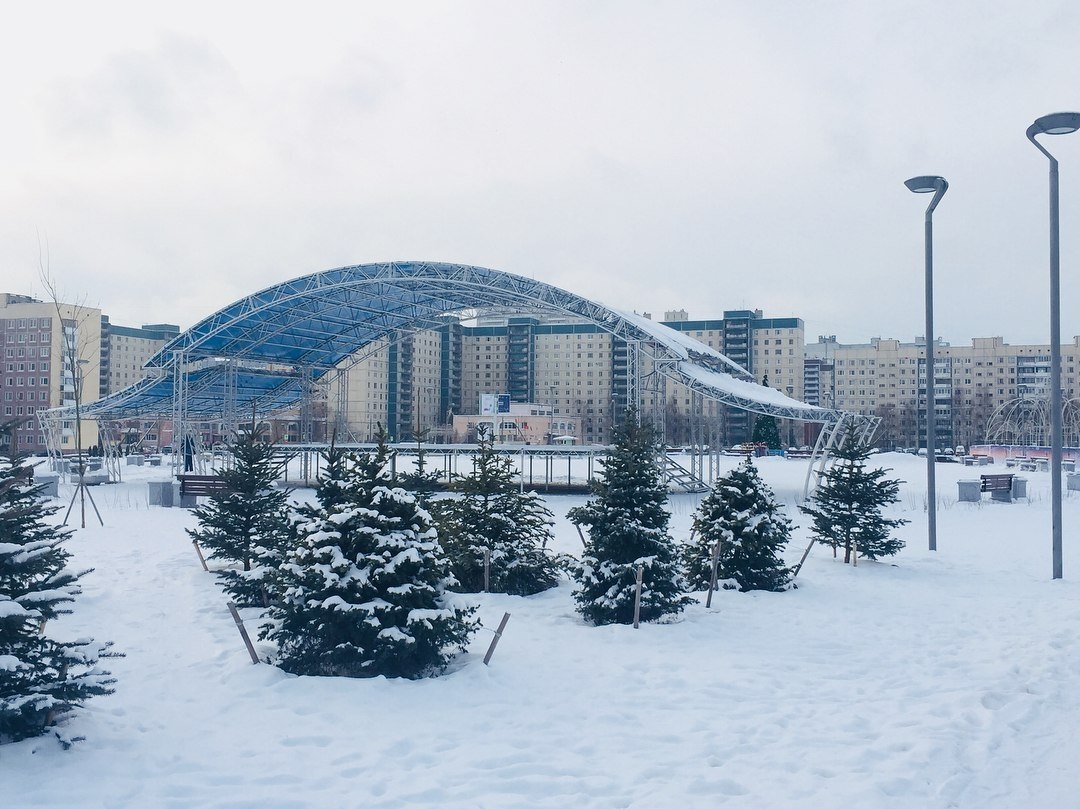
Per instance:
x=493, y=514
x=627, y=522
x=248, y=525
x=42, y=680
x=742, y=515
x=364, y=591
x=846, y=508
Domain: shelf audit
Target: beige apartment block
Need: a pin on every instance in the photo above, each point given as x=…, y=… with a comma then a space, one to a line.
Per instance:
x=50, y=351
x=886, y=378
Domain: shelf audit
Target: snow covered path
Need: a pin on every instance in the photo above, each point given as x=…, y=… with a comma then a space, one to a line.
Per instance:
x=944, y=680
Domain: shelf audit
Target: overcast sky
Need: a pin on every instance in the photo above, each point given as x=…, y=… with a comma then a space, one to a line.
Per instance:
x=650, y=155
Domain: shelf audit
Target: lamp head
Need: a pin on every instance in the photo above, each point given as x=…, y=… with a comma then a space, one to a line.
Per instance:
x=1056, y=123
x=927, y=184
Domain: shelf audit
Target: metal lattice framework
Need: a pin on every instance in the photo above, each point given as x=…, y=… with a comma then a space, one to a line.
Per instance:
x=1025, y=421
x=265, y=351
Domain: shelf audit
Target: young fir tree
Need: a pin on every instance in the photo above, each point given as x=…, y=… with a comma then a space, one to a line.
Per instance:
x=420, y=481
x=846, y=508
x=364, y=591
x=766, y=432
x=42, y=680
x=741, y=514
x=627, y=522
x=247, y=525
x=492, y=514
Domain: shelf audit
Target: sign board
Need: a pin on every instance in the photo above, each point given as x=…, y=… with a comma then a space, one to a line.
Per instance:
x=504, y=402
x=488, y=404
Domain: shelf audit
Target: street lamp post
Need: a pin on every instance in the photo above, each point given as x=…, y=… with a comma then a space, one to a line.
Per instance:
x=926, y=185
x=1057, y=123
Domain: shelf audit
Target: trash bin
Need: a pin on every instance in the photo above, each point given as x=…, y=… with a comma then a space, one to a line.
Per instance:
x=1072, y=481
x=49, y=483
x=1019, y=488
x=160, y=493
x=970, y=491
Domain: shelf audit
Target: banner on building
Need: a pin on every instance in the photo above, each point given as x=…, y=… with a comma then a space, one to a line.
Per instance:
x=489, y=403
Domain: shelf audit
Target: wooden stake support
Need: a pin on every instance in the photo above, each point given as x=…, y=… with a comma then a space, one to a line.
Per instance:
x=712, y=578
x=198, y=550
x=495, y=640
x=798, y=567
x=578, y=527
x=487, y=570
x=637, y=595
x=243, y=632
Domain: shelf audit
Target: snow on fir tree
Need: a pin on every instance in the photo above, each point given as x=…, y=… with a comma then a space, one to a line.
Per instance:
x=42, y=679
x=364, y=592
x=743, y=516
x=847, y=506
x=493, y=514
x=247, y=526
x=627, y=522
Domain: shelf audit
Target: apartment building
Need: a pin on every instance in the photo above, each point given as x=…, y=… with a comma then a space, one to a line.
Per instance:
x=50, y=351
x=125, y=350
x=887, y=378
x=575, y=371
x=771, y=349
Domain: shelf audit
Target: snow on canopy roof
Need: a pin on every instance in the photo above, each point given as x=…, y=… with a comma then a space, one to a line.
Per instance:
x=687, y=346
x=314, y=323
x=750, y=395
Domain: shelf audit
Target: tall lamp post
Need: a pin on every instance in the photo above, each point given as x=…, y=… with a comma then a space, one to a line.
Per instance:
x=1057, y=123
x=926, y=185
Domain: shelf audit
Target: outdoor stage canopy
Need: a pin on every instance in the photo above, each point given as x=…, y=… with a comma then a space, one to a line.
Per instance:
x=263, y=352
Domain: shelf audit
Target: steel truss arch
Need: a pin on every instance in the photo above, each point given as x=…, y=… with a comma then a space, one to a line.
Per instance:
x=281, y=339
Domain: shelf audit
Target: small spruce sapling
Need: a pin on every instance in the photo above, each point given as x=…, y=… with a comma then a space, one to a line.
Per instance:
x=743, y=516
x=627, y=521
x=364, y=591
x=42, y=680
x=846, y=508
x=493, y=514
x=247, y=525
x=766, y=432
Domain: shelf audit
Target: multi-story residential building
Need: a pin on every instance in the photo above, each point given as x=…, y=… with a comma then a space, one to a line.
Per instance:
x=887, y=378
x=772, y=349
x=124, y=352
x=572, y=369
x=51, y=352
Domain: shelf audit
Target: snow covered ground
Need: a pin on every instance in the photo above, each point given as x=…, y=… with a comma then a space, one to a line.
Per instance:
x=949, y=679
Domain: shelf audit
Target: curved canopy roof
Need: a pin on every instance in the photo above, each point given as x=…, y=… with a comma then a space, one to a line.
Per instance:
x=310, y=325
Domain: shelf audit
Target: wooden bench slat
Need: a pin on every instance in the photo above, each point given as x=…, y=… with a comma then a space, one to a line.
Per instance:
x=996, y=483
x=202, y=485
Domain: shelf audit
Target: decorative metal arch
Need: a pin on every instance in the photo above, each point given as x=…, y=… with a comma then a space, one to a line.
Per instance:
x=311, y=324
x=1025, y=421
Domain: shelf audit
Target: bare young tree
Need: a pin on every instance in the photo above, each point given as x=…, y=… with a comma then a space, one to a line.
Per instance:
x=80, y=357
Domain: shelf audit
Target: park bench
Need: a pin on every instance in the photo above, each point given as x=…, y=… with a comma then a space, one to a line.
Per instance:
x=999, y=486
x=201, y=485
